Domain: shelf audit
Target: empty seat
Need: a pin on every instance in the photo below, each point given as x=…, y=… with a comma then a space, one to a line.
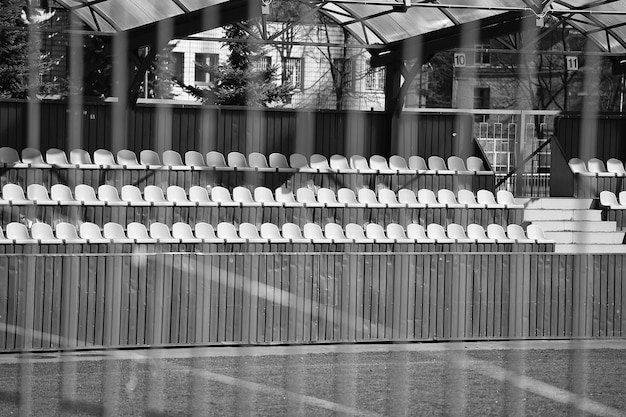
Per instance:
x=228, y=232
x=536, y=233
x=375, y=232
x=306, y=196
x=86, y=195
x=132, y=195
x=39, y=194
x=596, y=166
x=80, y=157
x=42, y=232
x=578, y=166
x=468, y=199
x=161, y=233
x=172, y=159
x=507, y=199
x=427, y=198
x=417, y=163
x=177, y=195
x=271, y=232
x=477, y=233
x=397, y=233
x=14, y=194
x=319, y=162
x=57, y=158
x=184, y=233
x=298, y=161
x=368, y=197
x=215, y=159
x=138, y=233
x=416, y=232
x=456, y=163
x=127, y=158
x=293, y=232
x=250, y=233
x=18, y=232
x=516, y=232
x=9, y=156
x=91, y=233
x=609, y=199
x=615, y=166
x=475, y=164
x=115, y=232
x=265, y=196
x=438, y=233
x=285, y=196
x=110, y=196
x=103, y=157
x=205, y=231
x=149, y=157
x=388, y=198
x=67, y=233
x=237, y=160
x=359, y=162
x=327, y=197
x=447, y=198
x=487, y=198
x=243, y=195
x=155, y=196
x=436, y=163
x=408, y=197
x=497, y=233
x=355, y=232
x=457, y=232
x=339, y=163
x=32, y=156
x=257, y=160
x=221, y=195
x=278, y=161
x=194, y=159
x=398, y=163
x=313, y=232
x=63, y=194
x=198, y=194
x=347, y=197
x=335, y=232
x=379, y=163
x=621, y=197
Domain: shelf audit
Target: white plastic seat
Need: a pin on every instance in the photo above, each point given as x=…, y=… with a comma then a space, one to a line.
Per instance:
x=387, y=197
x=132, y=195
x=596, y=166
x=359, y=163
x=33, y=157
x=103, y=157
x=198, y=194
x=161, y=233
x=417, y=163
x=148, y=157
x=293, y=232
x=215, y=159
x=91, y=233
x=42, y=233
x=63, y=194
x=228, y=232
x=408, y=197
x=398, y=163
x=339, y=163
x=221, y=195
x=319, y=162
x=468, y=199
x=536, y=233
x=127, y=158
x=397, y=233
x=257, y=160
x=438, y=233
x=39, y=194
x=436, y=163
x=67, y=233
x=86, y=195
x=327, y=197
x=375, y=232
x=177, y=195
x=335, y=232
x=427, y=198
x=108, y=194
x=457, y=232
x=457, y=164
x=416, y=232
x=138, y=233
x=313, y=232
x=183, y=232
x=507, y=199
x=250, y=233
x=155, y=196
x=115, y=232
x=9, y=156
x=14, y=194
x=172, y=158
x=237, y=160
x=278, y=161
x=285, y=196
x=447, y=198
x=379, y=163
x=243, y=195
x=305, y=196
x=615, y=166
x=270, y=232
x=475, y=164
x=368, y=197
x=265, y=196
x=347, y=197
x=18, y=232
x=497, y=233
x=516, y=232
x=80, y=157
x=578, y=166
x=194, y=159
x=355, y=232
x=205, y=231
x=298, y=161
x=609, y=199
x=477, y=233
x=57, y=158
x=487, y=198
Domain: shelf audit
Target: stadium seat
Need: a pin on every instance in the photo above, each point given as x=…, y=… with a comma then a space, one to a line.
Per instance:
x=475, y=164
x=161, y=233
x=227, y=231
x=347, y=197
x=578, y=166
x=615, y=166
x=487, y=198
x=477, y=233
x=57, y=158
x=327, y=197
x=250, y=233
x=243, y=195
x=319, y=162
x=257, y=160
x=397, y=233
x=177, y=195
x=205, y=231
x=447, y=198
x=9, y=156
x=398, y=163
x=596, y=166
x=39, y=195
x=609, y=199
x=42, y=233
x=198, y=194
x=335, y=232
x=497, y=233
x=215, y=159
x=313, y=232
x=457, y=232
x=270, y=232
x=359, y=163
x=438, y=233
x=516, y=232
x=14, y=194
x=417, y=163
x=222, y=196
x=416, y=232
x=194, y=159
x=621, y=197
x=184, y=233
x=172, y=159
x=456, y=164
x=236, y=160
x=278, y=161
x=18, y=233
x=389, y=198
x=355, y=232
x=132, y=195
x=427, y=197
x=507, y=199
x=138, y=233
x=265, y=196
x=285, y=196
x=86, y=195
x=91, y=233
x=149, y=158
x=535, y=232
x=127, y=158
x=339, y=163
x=63, y=194
x=408, y=197
x=103, y=158
x=375, y=232
x=32, y=157
x=436, y=163
x=298, y=161
x=368, y=198
x=293, y=232
x=67, y=233
x=154, y=195
x=379, y=163
x=80, y=157
x=306, y=196
x=468, y=199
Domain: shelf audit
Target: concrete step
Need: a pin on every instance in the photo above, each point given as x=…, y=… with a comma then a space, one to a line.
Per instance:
x=588, y=238
x=569, y=248
x=577, y=226
x=562, y=215
x=556, y=203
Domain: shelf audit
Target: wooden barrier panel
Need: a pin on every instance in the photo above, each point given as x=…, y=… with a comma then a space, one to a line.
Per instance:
x=132, y=296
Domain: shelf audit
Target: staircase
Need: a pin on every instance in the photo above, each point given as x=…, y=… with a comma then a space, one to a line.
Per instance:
x=574, y=225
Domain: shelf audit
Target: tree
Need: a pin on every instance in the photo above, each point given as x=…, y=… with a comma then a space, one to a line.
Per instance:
x=244, y=80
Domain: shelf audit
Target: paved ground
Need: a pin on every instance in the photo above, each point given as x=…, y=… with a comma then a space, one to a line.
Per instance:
x=548, y=378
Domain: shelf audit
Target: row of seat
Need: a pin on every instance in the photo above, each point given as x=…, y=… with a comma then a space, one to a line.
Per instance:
x=130, y=195
x=102, y=158
x=610, y=200
x=67, y=233
x=596, y=167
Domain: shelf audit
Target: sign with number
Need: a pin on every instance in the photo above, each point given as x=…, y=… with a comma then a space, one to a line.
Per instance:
x=459, y=59
x=571, y=62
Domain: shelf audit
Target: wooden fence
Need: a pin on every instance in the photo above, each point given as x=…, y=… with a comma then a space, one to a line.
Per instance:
x=128, y=297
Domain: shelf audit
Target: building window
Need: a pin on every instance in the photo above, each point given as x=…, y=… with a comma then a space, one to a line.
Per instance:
x=202, y=62
x=292, y=72
x=176, y=65
x=481, y=97
x=343, y=69
x=481, y=56
x=263, y=64
x=375, y=77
